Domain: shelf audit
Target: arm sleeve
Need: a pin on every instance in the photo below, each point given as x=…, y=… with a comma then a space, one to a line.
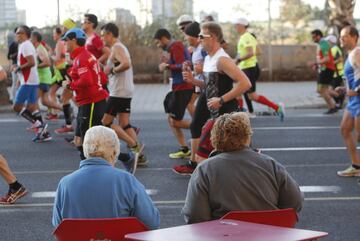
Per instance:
x=290, y=195
x=85, y=78
x=177, y=54
x=57, y=216
x=197, y=206
x=144, y=208
x=27, y=51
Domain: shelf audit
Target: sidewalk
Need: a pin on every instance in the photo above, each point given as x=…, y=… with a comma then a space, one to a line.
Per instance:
x=149, y=97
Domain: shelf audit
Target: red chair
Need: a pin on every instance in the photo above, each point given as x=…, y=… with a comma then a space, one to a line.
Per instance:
x=280, y=217
x=113, y=229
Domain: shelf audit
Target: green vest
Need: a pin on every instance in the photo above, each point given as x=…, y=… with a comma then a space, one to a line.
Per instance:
x=44, y=73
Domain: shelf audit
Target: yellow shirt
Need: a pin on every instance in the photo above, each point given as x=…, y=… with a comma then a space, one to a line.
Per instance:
x=247, y=40
x=336, y=53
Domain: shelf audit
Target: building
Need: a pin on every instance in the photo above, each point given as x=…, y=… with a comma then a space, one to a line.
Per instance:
x=171, y=9
x=8, y=13
x=120, y=15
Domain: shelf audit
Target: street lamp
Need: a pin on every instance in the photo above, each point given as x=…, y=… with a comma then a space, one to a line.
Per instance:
x=269, y=43
x=58, y=12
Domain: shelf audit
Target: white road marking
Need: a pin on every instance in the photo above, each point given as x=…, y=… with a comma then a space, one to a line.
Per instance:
x=10, y=120
x=335, y=148
x=333, y=189
x=152, y=192
x=171, y=203
x=296, y=128
x=43, y=194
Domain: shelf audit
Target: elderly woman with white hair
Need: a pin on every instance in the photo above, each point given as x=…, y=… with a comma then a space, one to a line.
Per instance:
x=237, y=178
x=98, y=189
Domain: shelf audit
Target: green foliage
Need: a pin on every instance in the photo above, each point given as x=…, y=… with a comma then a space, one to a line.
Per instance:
x=295, y=11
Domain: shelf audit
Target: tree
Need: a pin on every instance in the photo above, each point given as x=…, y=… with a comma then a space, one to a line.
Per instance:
x=295, y=12
x=340, y=13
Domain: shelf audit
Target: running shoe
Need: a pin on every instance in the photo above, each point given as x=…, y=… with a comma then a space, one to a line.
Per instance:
x=186, y=169
x=331, y=111
x=52, y=117
x=180, y=154
x=281, y=111
x=131, y=164
x=142, y=160
x=12, y=196
x=65, y=130
x=42, y=137
x=349, y=172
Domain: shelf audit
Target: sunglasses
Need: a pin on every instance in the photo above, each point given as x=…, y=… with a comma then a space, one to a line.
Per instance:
x=202, y=36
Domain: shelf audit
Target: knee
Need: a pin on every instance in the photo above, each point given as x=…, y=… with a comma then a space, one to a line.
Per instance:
x=17, y=108
x=345, y=131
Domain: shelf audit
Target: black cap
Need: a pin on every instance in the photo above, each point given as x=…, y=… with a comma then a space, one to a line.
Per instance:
x=193, y=29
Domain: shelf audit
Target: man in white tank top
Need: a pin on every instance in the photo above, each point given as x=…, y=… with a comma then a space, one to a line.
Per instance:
x=121, y=88
x=220, y=72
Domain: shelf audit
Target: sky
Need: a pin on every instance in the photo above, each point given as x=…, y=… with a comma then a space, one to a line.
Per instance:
x=254, y=9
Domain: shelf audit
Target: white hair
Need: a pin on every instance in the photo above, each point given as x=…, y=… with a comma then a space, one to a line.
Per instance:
x=101, y=141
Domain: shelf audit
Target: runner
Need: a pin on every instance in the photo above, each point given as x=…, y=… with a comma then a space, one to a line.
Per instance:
x=93, y=42
x=16, y=189
x=247, y=62
x=44, y=72
x=325, y=65
x=220, y=72
x=177, y=100
x=27, y=96
x=12, y=56
x=351, y=119
x=86, y=81
x=121, y=88
x=61, y=63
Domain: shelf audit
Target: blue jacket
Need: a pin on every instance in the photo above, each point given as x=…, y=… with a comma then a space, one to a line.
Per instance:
x=98, y=190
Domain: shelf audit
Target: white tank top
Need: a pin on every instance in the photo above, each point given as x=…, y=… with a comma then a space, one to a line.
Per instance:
x=210, y=63
x=121, y=84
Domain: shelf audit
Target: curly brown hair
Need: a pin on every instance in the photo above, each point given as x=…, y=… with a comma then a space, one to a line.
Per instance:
x=231, y=132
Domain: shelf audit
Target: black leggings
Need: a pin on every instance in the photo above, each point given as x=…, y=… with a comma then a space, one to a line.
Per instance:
x=201, y=115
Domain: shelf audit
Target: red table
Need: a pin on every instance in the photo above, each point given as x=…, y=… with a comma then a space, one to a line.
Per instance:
x=226, y=230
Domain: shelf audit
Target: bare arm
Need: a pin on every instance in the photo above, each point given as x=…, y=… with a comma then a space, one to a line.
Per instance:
x=105, y=55
x=45, y=61
x=227, y=66
x=120, y=56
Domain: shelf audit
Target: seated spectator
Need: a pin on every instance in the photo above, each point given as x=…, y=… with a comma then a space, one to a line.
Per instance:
x=237, y=178
x=98, y=189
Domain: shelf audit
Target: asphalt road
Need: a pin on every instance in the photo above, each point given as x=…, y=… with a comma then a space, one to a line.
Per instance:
x=307, y=143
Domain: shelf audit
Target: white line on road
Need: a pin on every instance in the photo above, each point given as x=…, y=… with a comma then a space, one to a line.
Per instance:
x=296, y=128
x=172, y=202
x=334, y=189
x=10, y=120
x=335, y=148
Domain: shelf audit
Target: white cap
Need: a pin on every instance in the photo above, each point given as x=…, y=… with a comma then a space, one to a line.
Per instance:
x=331, y=38
x=241, y=21
x=183, y=19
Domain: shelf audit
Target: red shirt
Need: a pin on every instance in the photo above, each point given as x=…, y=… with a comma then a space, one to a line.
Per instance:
x=94, y=45
x=87, y=77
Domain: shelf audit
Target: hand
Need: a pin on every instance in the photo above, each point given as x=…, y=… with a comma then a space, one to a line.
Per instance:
x=214, y=103
x=65, y=83
x=163, y=66
x=198, y=68
x=351, y=93
x=341, y=90
x=188, y=77
x=107, y=70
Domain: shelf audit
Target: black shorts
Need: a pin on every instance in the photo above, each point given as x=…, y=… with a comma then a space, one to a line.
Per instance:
x=89, y=115
x=115, y=105
x=337, y=81
x=253, y=74
x=201, y=115
x=326, y=77
x=175, y=103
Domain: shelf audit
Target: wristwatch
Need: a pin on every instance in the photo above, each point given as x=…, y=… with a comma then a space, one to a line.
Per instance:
x=357, y=89
x=221, y=102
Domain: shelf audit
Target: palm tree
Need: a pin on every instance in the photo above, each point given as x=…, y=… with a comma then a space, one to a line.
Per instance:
x=340, y=13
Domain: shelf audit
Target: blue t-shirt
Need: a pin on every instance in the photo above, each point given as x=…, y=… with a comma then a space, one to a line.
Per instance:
x=98, y=190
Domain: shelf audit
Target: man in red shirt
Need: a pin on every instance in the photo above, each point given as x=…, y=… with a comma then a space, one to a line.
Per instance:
x=94, y=44
x=86, y=81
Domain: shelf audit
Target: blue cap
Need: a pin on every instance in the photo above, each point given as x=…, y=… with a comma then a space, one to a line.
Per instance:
x=77, y=33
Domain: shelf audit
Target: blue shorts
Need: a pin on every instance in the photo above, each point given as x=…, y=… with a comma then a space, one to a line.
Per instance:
x=354, y=110
x=44, y=87
x=27, y=94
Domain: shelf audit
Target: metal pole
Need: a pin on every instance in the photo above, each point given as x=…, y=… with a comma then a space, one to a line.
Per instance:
x=163, y=13
x=58, y=12
x=269, y=44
